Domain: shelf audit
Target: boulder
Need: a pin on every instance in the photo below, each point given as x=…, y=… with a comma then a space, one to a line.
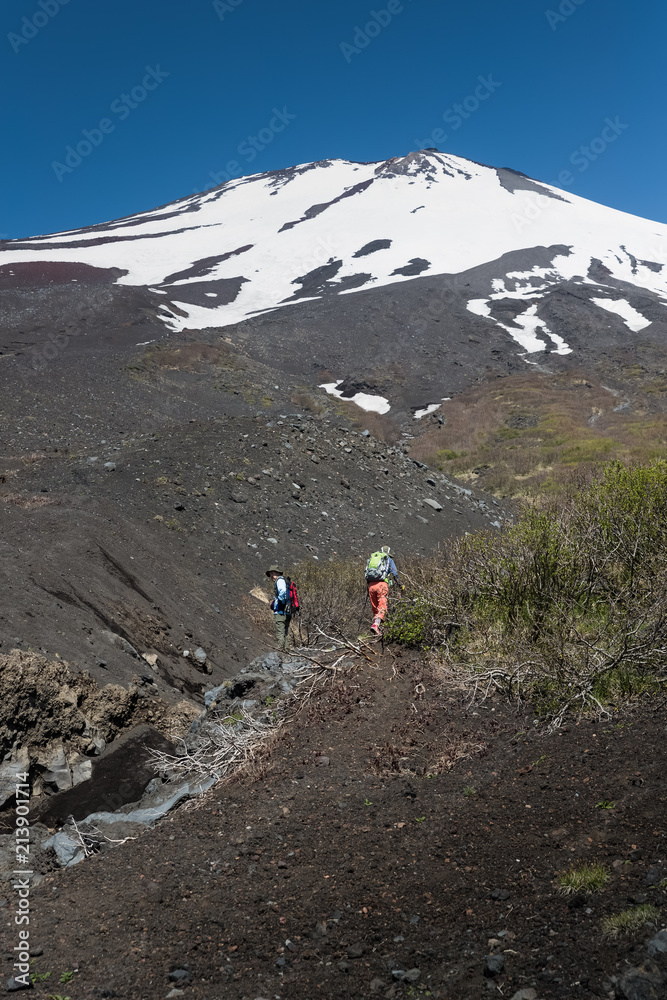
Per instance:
x=658, y=944
x=9, y=771
x=67, y=848
x=56, y=776
x=119, y=642
x=645, y=982
x=82, y=770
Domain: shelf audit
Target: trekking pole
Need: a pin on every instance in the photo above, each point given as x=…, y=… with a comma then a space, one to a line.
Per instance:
x=363, y=611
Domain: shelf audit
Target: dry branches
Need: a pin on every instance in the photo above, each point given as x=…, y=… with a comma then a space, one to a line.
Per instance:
x=218, y=749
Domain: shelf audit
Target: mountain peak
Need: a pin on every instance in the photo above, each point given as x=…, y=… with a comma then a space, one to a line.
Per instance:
x=333, y=227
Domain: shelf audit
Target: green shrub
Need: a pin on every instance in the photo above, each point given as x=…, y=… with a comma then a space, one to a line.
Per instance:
x=568, y=605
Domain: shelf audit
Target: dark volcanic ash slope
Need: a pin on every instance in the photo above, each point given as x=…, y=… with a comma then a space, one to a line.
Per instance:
x=144, y=491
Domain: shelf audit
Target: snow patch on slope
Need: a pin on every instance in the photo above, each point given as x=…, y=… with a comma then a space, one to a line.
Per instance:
x=372, y=404
x=426, y=410
x=632, y=319
x=528, y=322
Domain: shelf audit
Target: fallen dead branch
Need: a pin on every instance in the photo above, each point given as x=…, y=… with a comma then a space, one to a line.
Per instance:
x=220, y=749
x=92, y=841
x=343, y=643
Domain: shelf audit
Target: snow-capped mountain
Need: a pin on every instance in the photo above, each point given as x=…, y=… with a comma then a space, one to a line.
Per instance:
x=266, y=241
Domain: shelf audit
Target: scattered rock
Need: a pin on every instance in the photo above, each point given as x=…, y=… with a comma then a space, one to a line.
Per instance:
x=377, y=985
x=15, y=984
x=343, y=966
x=642, y=983
x=200, y=656
x=656, y=874
x=355, y=951
x=494, y=965
x=527, y=994
x=411, y=976
x=239, y=498
x=433, y=504
x=212, y=696
x=658, y=944
x=110, y=466
x=179, y=506
x=322, y=761
x=182, y=976
x=96, y=746
x=500, y=894
x=82, y=771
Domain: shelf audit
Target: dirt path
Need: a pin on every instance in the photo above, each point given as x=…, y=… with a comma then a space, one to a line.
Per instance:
x=348, y=859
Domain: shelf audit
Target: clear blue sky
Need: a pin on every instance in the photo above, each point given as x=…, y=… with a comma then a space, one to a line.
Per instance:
x=555, y=79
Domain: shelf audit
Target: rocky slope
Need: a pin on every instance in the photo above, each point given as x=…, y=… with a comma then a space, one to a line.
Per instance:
x=144, y=493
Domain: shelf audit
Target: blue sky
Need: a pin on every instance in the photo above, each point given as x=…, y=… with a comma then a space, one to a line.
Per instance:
x=191, y=91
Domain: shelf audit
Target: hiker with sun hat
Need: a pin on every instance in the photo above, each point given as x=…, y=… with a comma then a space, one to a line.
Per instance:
x=280, y=605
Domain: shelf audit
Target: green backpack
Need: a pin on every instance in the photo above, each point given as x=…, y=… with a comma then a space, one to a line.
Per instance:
x=377, y=567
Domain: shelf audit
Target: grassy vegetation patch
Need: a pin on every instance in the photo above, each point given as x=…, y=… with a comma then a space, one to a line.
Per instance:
x=584, y=878
x=629, y=921
x=529, y=434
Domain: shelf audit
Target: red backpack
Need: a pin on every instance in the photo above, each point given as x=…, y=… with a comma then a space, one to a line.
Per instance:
x=292, y=606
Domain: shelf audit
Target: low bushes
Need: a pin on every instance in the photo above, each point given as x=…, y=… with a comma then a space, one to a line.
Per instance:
x=569, y=605
x=332, y=598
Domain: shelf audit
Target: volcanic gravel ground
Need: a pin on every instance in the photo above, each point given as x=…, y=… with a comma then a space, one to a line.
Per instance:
x=149, y=504
x=362, y=847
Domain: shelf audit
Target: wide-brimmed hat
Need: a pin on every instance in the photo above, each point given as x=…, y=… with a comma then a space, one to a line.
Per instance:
x=274, y=569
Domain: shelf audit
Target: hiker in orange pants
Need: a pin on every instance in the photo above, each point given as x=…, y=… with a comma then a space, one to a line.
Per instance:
x=380, y=569
x=378, y=593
